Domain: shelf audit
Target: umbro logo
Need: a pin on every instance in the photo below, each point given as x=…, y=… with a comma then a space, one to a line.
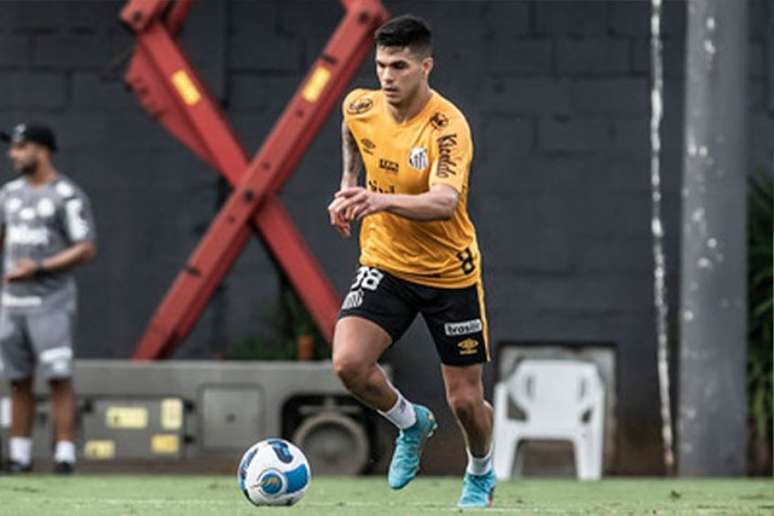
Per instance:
x=367, y=146
x=467, y=347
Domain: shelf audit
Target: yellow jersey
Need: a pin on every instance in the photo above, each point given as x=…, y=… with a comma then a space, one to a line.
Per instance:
x=433, y=147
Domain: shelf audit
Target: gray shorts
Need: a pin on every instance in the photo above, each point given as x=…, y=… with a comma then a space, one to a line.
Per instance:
x=43, y=338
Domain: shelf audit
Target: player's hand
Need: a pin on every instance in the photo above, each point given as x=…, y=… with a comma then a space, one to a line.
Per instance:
x=359, y=202
x=339, y=218
x=23, y=270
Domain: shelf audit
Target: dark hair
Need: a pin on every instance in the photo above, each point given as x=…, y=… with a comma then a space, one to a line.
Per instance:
x=406, y=31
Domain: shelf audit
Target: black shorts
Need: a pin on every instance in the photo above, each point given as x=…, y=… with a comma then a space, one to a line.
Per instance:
x=456, y=317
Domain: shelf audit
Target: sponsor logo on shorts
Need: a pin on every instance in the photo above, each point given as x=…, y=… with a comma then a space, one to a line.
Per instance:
x=360, y=106
x=467, y=347
x=418, y=158
x=58, y=358
x=462, y=328
x=389, y=166
x=353, y=300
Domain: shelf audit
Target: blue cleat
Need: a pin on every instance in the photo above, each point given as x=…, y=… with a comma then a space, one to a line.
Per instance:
x=408, y=448
x=477, y=491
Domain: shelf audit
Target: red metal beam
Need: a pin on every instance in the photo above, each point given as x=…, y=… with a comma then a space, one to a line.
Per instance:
x=177, y=15
x=137, y=14
x=171, y=91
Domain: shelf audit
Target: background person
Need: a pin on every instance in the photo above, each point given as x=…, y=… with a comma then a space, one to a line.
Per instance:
x=47, y=230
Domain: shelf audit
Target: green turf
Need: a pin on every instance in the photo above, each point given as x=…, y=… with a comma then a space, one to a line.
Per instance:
x=193, y=496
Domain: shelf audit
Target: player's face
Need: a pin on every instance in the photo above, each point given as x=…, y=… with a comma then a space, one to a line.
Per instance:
x=25, y=157
x=401, y=73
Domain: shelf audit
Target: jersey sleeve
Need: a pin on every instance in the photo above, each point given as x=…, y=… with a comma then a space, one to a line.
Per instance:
x=78, y=218
x=345, y=105
x=357, y=102
x=453, y=151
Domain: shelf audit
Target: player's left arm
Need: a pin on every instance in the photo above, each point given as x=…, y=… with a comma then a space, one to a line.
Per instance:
x=76, y=254
x=81, y=232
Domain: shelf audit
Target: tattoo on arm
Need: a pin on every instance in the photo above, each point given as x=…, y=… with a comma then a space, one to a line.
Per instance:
x=352, y=162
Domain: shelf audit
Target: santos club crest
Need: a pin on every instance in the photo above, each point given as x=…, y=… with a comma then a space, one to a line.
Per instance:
x=418, y=158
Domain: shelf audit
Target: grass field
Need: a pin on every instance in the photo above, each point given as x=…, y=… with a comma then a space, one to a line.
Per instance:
x=193, y=496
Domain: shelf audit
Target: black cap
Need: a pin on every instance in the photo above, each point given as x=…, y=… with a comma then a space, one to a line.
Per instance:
x=37, y=133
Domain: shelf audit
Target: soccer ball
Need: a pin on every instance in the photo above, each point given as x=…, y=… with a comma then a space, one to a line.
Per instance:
x=273, y=472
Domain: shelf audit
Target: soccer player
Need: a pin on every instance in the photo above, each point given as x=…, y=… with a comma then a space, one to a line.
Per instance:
x=418, y=252
x=47, y=229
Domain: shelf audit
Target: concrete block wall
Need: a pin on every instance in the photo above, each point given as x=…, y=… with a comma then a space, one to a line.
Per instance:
x=557, y=95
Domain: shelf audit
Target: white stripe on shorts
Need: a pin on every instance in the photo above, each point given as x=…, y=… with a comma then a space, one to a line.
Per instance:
x=9, y=300
x=54, y=354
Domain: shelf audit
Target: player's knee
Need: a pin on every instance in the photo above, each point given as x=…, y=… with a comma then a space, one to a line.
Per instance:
x=22, y=385
x=60, y=384
x=463, y=403
x=351, y=372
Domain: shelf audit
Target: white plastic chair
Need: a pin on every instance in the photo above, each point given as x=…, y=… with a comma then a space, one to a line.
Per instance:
x=563, y=400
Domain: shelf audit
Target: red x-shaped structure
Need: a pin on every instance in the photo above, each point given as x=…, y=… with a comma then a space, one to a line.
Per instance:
x=171, y=92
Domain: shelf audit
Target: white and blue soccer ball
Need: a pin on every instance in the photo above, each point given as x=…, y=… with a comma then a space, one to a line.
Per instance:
x=274, y=472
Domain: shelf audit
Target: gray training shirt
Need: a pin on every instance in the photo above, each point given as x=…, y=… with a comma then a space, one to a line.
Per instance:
x=41, y=221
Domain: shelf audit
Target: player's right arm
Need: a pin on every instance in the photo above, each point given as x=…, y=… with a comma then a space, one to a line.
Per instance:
x=352, y=164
